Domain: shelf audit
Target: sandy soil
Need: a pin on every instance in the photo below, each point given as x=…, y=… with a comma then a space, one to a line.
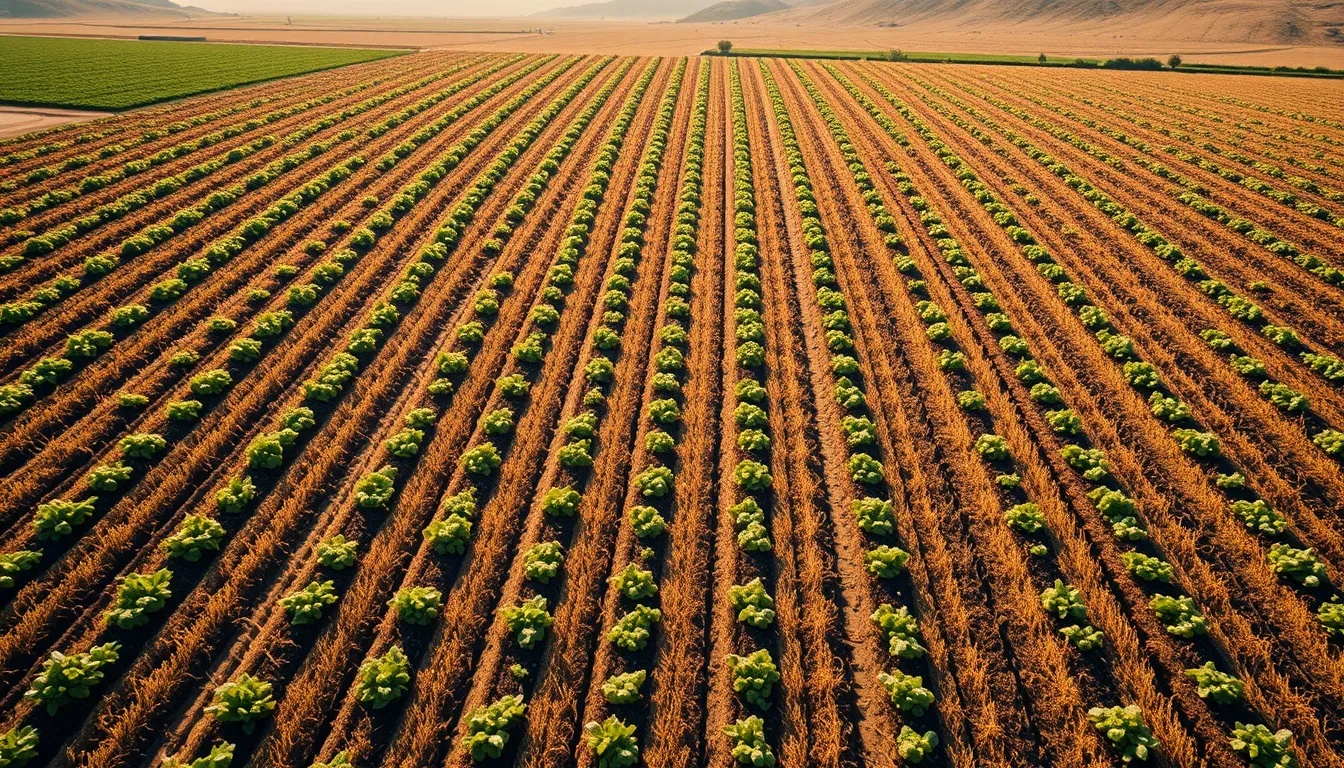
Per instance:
x=652, y=38
x=18, y=120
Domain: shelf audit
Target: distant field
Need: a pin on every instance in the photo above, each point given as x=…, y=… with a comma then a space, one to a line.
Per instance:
x=118, y=74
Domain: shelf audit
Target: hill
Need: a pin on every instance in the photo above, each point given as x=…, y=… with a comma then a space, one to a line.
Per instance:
x=628, y=9
x=731, y=10
x=1298, y=22
x=42, y=9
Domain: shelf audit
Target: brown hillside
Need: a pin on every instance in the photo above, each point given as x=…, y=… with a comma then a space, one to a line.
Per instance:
x=1257, y=21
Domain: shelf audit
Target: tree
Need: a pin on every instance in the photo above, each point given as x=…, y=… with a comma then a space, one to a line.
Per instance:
x=896, y=55
x=1041, y=58
x=725, y=46
x=1173, y=61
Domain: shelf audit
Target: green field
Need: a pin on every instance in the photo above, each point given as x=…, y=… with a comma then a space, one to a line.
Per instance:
x=118, y=74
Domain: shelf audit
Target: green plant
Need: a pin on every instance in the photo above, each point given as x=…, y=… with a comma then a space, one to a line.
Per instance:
x=1263, y=748
x=1300, y=565
x=14, y=563
x=914, y=747
x=1147, y=568
x=1212, y=684
x=107, y=478
x=482, y=460
x=749, y=744
x=383, y=679
x=336, y=552
x=753, y=604
x=488, y=727
x=417, y=605
x=66, y=678
x=561, y=502
x=528, y=621
x=624, y=688
x=374, y=490
x=339, y=760
x=907, y=691
x=220, y=756
x=612, y=742
x=901, y=631
x=1125, y=730
x=1063, y=601
x=542, y=562
x=18, y=746
x=646, y=522
x=885, y=562
x=305, y=606
x=631, y=631
x=57, y=518
x=754, y=676
x=1180, y=615
x=195, y=535
x=1025, y=517
x=245, y=700
x=1084, y=637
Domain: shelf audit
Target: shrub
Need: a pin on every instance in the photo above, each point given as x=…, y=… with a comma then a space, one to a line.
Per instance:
x=612, y=742
x=907, y=691
x=624, y=688
x=417, y=605
x=66, y=678
x=245, y=700
x=139, y=595
x=754, y=676
x=901, y=631
x=383, y=679
x=1125, y=730
x=305, y=606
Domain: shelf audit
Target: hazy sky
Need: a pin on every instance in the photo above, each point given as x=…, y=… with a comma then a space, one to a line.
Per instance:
x=385, y=7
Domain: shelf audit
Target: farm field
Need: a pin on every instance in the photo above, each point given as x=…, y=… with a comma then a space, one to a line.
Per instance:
x=559, y=410
x=118, y=74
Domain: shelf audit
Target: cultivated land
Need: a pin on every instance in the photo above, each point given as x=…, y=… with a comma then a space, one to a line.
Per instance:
x=115, y=74
x=563, y=410
x=666, y=39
